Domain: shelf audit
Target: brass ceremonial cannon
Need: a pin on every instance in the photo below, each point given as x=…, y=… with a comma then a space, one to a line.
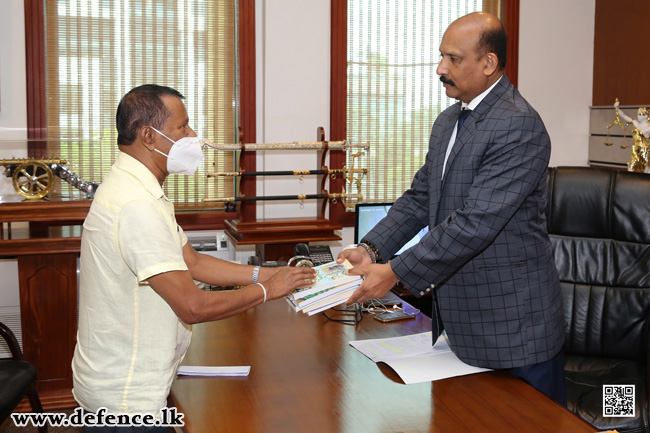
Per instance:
x=33, y=178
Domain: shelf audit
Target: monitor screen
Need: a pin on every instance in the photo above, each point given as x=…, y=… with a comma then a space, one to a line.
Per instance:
x=369, y=214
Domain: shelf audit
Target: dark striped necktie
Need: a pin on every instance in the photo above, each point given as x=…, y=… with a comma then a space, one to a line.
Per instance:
x=461, y=118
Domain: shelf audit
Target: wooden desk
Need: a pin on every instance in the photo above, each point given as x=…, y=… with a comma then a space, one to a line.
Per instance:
x=305, y=377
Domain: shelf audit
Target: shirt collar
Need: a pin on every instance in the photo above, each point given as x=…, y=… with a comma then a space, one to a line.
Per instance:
x=474, y=102
x=138, y=170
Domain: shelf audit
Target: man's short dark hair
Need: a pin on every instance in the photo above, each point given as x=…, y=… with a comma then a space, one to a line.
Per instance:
x=142, y=106
x=494, y=40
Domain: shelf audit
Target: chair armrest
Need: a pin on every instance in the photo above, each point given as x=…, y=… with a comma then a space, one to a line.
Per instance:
x=10, y=338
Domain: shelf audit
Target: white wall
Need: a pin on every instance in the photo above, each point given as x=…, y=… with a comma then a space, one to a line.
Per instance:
x=293, y=99
x=13, y=93
x=556, y=56
x=292, y=95
x=13, y=126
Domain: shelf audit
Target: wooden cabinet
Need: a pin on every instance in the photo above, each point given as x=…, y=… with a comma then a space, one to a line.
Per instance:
x=47, y=252
x=48, y=310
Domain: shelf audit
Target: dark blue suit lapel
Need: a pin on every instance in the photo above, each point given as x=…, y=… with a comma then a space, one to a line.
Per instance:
x=464, y=136
x=438, y=150
x=442, y=144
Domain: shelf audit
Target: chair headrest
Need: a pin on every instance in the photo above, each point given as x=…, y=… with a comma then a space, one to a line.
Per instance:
x=599, y=203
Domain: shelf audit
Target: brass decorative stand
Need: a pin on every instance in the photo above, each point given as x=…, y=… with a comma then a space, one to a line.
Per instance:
x=275, y=238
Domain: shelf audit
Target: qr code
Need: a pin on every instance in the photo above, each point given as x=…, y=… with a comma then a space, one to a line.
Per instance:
x=618, y=400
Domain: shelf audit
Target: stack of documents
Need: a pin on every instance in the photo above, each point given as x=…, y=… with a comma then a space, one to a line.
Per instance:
x=332, y=287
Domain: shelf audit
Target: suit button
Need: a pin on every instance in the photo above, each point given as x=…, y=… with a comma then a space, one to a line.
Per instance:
x=428, y=290
x=421, y=293
x=432, y=286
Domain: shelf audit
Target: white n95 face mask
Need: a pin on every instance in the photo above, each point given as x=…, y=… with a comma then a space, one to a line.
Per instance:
x=184, y=156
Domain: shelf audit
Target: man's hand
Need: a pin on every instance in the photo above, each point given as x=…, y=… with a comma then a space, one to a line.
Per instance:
x=379, y=279
x=356, y=256
x=287, y=279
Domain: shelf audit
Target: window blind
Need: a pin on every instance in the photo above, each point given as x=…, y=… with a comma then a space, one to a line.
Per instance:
x=393, y=92
x=98, y=50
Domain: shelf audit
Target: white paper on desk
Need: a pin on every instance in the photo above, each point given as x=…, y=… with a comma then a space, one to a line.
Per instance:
x=383, y=349
x=191, y=370
x=414, y=359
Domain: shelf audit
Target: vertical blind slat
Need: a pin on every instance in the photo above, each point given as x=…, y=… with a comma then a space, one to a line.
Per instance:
x=394, y=94
x=98, y=50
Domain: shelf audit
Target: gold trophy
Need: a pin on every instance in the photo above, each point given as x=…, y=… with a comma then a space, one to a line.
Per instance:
x=640, y=158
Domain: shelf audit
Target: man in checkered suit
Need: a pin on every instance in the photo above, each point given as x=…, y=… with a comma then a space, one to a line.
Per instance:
x=482, y=191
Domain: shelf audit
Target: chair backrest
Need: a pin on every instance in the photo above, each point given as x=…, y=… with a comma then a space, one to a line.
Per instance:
x=11, y=341
x=599, y=224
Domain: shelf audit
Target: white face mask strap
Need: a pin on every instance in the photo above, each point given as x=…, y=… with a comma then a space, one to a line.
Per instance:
x=162, y=135
x=156, y=150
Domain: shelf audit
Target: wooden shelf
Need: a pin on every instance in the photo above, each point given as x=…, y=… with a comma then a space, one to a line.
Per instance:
x=275, y=238
x=17, y=209
x=284, y=231
x=41, y=240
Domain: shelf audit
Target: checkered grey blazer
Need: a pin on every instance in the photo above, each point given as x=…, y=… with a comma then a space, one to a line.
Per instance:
x=487, y=255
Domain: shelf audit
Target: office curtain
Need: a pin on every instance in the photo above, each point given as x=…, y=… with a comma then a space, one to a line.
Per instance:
x=393, y=92
x=97, y=50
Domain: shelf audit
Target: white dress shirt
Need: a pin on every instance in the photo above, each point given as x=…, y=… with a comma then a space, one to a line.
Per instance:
x=465, y=106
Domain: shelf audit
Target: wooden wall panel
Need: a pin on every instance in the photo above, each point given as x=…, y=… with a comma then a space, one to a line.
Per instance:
x=338, y=103
x=35, y=69
x=48, y=312
x=620, y=52
x=247, y=211
x=510, y=20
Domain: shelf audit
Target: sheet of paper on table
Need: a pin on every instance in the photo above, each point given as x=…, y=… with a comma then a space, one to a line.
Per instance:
x=414, y=358
x=191, y=370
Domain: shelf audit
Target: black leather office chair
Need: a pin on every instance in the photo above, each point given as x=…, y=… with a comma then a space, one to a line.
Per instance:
x=599, y=222
x=16, y=379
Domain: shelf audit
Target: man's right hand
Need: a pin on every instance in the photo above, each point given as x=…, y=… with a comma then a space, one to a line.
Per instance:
x=287, y=279
x=356, y=256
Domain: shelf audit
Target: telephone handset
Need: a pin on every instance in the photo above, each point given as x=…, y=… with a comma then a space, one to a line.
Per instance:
x=319, y=254
x=255, y=261
x=315, y=255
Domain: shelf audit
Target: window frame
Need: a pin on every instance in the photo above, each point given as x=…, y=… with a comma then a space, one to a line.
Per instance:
x=37, y=117
x=338, y=86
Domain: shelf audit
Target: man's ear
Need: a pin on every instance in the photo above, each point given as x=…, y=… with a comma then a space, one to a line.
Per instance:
x=491, y=64
x=146, y=135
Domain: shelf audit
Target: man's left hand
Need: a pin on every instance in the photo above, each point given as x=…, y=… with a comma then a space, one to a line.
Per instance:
x=379, y=279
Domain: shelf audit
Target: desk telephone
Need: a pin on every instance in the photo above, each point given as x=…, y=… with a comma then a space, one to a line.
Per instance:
x=255, y=261
x=316, y=254
x=319, y=254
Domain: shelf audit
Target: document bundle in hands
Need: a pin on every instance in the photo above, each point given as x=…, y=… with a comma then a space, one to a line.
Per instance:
x=332, y=287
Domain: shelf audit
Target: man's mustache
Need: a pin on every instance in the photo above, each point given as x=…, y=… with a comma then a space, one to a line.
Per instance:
x=447, y=81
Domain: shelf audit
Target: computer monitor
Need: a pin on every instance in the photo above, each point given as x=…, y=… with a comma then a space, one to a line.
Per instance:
x=369, y=214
